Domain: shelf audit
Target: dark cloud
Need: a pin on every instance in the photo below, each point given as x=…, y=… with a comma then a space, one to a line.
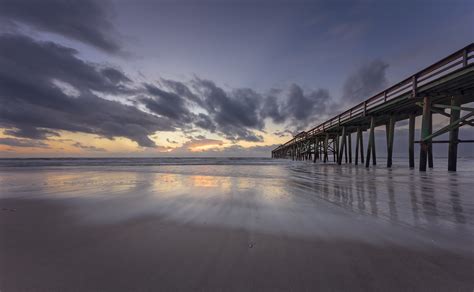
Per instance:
x=234, y=114
x=45, y=88
x=22, y=142
x=167, y=104
x=273, y=109
x=114, y=75
x=31, y=132
x=182, y=90
x=88, y=21
x=31, y=105
x=367, y=80
x=283, y=133
x=304, y=107
x=301, y=109
x=88, y=148
x=204, y=122
x=171, y=141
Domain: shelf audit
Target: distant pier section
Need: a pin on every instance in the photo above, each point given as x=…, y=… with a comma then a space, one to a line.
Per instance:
x=443, y=88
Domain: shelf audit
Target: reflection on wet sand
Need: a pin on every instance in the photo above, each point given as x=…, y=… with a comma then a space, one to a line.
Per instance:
x=297, y=199
x=388, y=193
x=282, y=226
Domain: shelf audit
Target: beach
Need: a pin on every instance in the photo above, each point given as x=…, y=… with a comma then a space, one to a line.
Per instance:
x=233, y=224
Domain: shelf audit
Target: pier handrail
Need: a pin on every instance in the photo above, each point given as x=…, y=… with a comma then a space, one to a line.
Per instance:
x=411, y=83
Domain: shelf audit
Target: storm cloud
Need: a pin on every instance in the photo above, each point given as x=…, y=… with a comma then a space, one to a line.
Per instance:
x=365, y=81
x=301, y=109
x=22, y=142
x=232, y=114
x=33, y=106
x=87, y=21
x=88, y=147
x=46, y=87
x=167, y=104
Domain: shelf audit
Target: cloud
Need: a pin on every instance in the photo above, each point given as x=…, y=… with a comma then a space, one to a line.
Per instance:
x=87, y=21
x=114, y=75
x=240, y=151
x=167, y=104
x=367, y=80
x=31, y=132
x=273, y=109
x=283, y=133
x=32, y=106
x=22, y=142
x=234, y=114
x=205, y=122
x=182, y=90
x=88, y=148
x=301, y=109
x=195, y=145
x=45, y=88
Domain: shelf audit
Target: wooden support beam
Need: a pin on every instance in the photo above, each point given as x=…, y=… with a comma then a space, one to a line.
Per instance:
x=430, y=145
x=345, y=148
x=371, y=144
x=469, y=109
x=361, y=146
x=321, y=148
x=358, y=134
x=372, y=137
x=458, y=141
x=349, y=141
x=326, y=142
x=308, y=150
x=411, y=139
x=425, y=132
x=390, y=136
x=341, y=145
x=456, y=124
x=315, y=149
x=453, y=135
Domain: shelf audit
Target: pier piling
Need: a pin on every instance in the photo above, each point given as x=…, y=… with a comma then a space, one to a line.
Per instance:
x=411, y=140
x=453, y=134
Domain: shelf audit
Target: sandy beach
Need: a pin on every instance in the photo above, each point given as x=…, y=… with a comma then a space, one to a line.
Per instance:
x=263, y=228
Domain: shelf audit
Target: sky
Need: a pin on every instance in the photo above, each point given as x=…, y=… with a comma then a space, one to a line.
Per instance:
x=203, y=78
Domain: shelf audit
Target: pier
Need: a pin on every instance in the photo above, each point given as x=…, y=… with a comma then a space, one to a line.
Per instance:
x=443, y=88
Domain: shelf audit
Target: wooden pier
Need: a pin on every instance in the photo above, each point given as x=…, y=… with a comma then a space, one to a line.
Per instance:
x=442, y=88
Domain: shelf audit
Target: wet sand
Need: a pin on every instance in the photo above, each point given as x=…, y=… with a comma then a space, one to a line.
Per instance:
x=90, y=230
x=53, y=252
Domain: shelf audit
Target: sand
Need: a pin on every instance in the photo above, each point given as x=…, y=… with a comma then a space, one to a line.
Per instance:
x=282, y=227
x=44, y=249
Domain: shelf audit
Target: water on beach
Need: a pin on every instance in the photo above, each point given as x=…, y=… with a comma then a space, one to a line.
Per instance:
x=282, y=197
x=243, y=224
